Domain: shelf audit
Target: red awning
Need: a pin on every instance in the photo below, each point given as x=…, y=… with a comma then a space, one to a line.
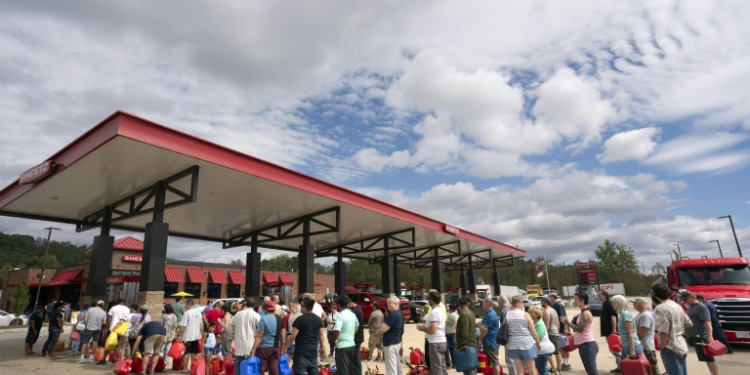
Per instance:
x=218, y=276
x=236, y=277
x=349, y=288
x=196, y=276
x=173, y=275
x=65, y=277
x=285, y=279
x=269, y=278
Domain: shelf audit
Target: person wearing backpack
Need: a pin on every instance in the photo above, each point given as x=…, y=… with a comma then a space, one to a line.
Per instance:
x=269, y=340
x=489, y=329
x=502, y=304
x=137, y=320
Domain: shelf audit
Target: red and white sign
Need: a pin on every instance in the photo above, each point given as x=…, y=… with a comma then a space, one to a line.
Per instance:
x=581, y=265
x=132, y=258
x=37, y=173
x=403, y=284
x=114, y=280
x=417, y=287
x=451, y=229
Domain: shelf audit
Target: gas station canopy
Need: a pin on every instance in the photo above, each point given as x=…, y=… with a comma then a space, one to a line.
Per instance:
x=217, y=194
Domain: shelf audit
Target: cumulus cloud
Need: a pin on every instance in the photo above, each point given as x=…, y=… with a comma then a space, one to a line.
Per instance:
x=635, y=144
x=705, y=153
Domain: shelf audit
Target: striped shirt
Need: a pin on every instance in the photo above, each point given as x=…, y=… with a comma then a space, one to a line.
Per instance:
x=519, y=337
x=244, y=327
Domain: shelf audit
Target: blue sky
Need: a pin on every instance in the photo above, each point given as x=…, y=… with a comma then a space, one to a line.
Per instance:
x=547, y=125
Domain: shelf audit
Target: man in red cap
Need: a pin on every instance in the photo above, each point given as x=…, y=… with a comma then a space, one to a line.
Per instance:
x=269, y=340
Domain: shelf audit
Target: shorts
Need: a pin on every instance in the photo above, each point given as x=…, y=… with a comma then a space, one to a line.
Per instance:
x=192, y=347
x=31, y=337
x=376, y=338
x=492, y=355
x=700, y=351
x=523, y=354
x=90, y=336
x=153, y=343
x=556, y=342
x=209, y=350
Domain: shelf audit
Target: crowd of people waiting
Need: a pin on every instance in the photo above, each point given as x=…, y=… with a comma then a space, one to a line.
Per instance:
x=268, y=328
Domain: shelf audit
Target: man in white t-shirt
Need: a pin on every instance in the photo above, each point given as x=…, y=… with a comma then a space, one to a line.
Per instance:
x=191, y=332
x=118, y=314
x=434, y=327
x=317, y=308
x=644, y=326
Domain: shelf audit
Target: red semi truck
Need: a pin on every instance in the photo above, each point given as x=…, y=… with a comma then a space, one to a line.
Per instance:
x=725, y=282
x=365, y=301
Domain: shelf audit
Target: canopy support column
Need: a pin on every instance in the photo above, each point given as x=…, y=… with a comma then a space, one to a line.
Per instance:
x=151, y=291
x=396, y=278
x=472, y=290
x=339, y=269
x=101, y=263
x=386, y=270
x=495, y=278
x=252, y=269
x=462, y=281
x=437, y=273
x=306, y=261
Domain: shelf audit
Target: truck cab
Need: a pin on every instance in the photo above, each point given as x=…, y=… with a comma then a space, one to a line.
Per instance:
x=725, y=282
x=533, y=291
x=365, y=300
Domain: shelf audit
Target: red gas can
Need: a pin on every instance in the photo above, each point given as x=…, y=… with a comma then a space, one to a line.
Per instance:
x=635, y=366
x=136, y=367
x=324, y=370
x=614, y=342
x=419, y=370
x=158, y=367
x=656, y=343
x=416, y=357
x=569, y=344
x=484, y=364
x=364, y=353
x=714, y=349
x=229, y=365
x=177, y=364
x=122, y=367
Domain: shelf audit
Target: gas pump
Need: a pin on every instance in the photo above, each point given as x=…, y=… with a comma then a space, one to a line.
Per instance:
x=455, y=294
x=418, y=292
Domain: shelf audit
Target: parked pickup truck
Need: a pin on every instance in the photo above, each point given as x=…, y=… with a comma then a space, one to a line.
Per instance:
x=365, y=300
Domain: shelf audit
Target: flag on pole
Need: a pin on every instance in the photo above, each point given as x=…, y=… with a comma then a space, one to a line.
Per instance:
x=539, y=269
x=539, y=273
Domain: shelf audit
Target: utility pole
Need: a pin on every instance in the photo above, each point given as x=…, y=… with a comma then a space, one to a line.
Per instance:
x=44, y=263
x=733, y=232
x=643, y=267
x=719, y=245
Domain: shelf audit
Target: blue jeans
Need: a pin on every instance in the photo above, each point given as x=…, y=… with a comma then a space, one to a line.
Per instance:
x=450, y=348
x=541, y=363
x=588, y=352
x=675, y=364
x=49, y=345
x=626, y=350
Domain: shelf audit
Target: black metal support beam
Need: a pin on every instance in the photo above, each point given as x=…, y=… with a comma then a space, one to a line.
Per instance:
x=155, y=245
x=472, y=278
x=149, y=200
x=306, y=260
x=339, y=270
x=495, y=276
x=289, y=229
x=386, y=269
x=462, y=281
x=252, y=272
x=101, y=261
x=398, y=240
x=396, y=280
x=437, y=274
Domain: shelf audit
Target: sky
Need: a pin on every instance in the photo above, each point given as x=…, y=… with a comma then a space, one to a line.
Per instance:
x=546, y=125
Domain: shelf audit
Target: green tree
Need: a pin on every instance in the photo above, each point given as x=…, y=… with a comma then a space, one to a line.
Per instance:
x=20, y=297
x=237, y=262
x=616, y=262
x=3, y=270
x=658, y=269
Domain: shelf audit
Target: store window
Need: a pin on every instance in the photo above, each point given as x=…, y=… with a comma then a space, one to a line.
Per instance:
x=214, y=291
x=169, y=289
x=233, y=291
x=194, y=289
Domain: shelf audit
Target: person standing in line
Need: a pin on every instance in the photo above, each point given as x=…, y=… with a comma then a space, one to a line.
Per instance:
x=502, y=304
x=489, y=328
x=583, y=336
x=80, y=318
x=244, y=327
x=715, y=323
x=118, y=315
x=191, y=331
x=450, y=335
x=178, y=308
x=434, y=327
x=151, y=337
x=547, y=349
x=359, y=335
x=670, y=321
x=701, y=332
x=94, y=320
x=523, y=341
x=139, y=316
x=331, y=321
x=55, y=330
x=226, y=337
x=67, y=313
x=631, y=344
x=269, y=340
x=465, y=328
x=36, y=321
x=644, y=325
x=608, y=324
x=347, y=351
x=393, y=329
x=294, y=312
x=169, y=322
x=307, y=336
x=552, y=325
x=561, y=356
x=376, y=337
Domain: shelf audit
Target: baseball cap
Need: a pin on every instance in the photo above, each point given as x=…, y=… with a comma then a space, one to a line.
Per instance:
x=685, y=295
x=270, y=305
x=700, y=296
x=547, y=300
x=639, y=300
x=100, y=303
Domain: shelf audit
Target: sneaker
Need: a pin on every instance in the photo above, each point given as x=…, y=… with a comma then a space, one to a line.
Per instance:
x=565, y=367
x=369, y=359
x=102, y=362
x=616, y=371
x=91, y=359
x=81, y=360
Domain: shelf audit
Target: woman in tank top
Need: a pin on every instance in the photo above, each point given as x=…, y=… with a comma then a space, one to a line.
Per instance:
x=523, y=341
x=583, y=333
